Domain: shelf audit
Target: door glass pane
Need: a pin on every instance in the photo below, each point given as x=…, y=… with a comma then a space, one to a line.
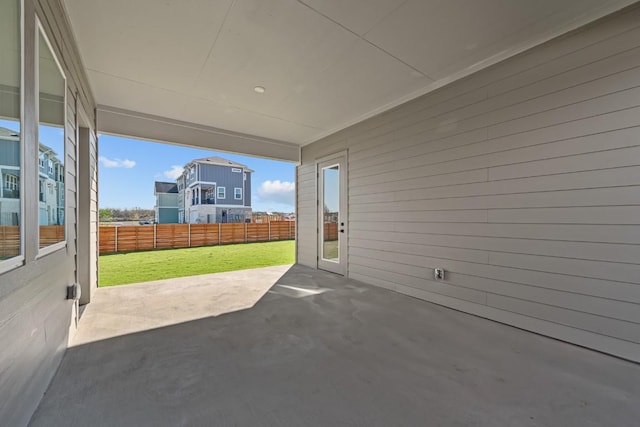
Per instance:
x=51, y=154
x=10, y=138
x=331, y=199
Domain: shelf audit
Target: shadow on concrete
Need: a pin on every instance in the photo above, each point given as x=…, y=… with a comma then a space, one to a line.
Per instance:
x=321, y=350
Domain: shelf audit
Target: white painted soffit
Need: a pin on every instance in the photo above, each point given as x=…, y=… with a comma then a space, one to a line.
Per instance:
x=325, y=64
x=125, y=123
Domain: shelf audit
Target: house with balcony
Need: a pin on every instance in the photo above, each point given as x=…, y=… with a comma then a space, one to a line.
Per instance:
x=50, y=187
x=166, y=206
x=214, y=190
x=10, y=177
x=50, y=182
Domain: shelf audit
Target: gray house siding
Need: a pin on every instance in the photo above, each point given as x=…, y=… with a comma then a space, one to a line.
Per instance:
x=247, y=190
x=9, y=152
x=522, y=181
x=223, y=176
x=167, y=215
x=36, y=320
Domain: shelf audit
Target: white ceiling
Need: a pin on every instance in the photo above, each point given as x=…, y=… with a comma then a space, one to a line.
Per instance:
x=325, y=64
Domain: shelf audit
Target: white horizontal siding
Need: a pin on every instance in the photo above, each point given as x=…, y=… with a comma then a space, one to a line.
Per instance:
x=306, y=214
x=522, y=181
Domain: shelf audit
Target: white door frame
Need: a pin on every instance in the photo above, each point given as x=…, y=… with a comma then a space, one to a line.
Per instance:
x=337, y=265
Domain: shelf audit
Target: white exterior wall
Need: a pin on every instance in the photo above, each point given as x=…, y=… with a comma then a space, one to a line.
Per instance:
x=36, y=321
x=522, y=181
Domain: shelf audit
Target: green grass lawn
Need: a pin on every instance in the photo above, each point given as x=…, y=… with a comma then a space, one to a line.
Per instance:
x=134, y=267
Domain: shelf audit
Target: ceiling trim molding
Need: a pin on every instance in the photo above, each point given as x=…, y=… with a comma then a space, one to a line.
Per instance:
x=132, y=124
x=578, y=23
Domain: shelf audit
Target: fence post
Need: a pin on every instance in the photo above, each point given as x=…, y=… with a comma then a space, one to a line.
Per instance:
x=289, y=230
x=155, y=236
x=269, y=230
x=219, y=233
x=246, y=231
x=116, y=239
x=189, y=233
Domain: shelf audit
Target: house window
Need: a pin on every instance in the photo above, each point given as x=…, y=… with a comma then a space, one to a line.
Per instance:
x=237, y=193
x=221, y=192
x=10, y=182
x=51, y=135
x=10, y=136
x=41, y=196
x=236, y=170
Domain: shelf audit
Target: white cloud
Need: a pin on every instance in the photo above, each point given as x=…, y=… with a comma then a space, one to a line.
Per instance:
x=174, y=172
x=277, y=192
x=116, y=163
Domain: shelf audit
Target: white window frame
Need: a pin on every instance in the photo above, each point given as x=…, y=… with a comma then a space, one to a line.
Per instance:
x=220, y=195
x=11, y=182
x=62, y=244
x=19, y=260
x=235, y=193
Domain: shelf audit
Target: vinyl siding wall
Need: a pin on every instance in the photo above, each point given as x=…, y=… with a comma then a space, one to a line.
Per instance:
x=224, y=176
x=36, y=320
x=522, y=181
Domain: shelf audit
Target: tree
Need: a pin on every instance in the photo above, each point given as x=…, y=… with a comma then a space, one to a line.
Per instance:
x=106, y=215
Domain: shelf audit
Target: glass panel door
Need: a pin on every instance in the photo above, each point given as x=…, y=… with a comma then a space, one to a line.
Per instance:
x=332, y=215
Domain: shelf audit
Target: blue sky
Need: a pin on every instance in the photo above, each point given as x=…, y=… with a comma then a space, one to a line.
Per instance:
x=129, y=167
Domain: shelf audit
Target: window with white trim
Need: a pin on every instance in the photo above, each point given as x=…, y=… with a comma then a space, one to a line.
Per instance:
x=11, y=182
x=237, y=193
x=221, y=193
x=10, y=135
x=51, y=137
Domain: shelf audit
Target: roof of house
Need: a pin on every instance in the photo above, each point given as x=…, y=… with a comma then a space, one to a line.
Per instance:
x=220, y=161
x=8, y=132
x=166, y=187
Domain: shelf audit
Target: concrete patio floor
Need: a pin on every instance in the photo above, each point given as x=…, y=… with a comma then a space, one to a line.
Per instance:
x=321, y=350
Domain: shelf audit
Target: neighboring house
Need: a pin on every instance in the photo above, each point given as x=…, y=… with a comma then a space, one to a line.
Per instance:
x=166, y=202
x=213, y=190
x=50, y=187
x=10, y=174
x=50, y=182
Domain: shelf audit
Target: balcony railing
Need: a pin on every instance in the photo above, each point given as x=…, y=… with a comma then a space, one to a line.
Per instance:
x=195, y=202
x=11, y=194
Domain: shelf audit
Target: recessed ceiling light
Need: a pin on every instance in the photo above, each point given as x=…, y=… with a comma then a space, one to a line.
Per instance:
x=259, y=89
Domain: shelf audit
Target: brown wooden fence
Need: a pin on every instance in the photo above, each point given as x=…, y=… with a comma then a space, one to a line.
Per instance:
x=164, y=236
x=10, y=238
x=9, y=241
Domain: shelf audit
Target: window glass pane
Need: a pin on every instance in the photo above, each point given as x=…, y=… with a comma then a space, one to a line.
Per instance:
x=331, y=198
x=10, y=139
x=221, y=192
x=51, y=155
